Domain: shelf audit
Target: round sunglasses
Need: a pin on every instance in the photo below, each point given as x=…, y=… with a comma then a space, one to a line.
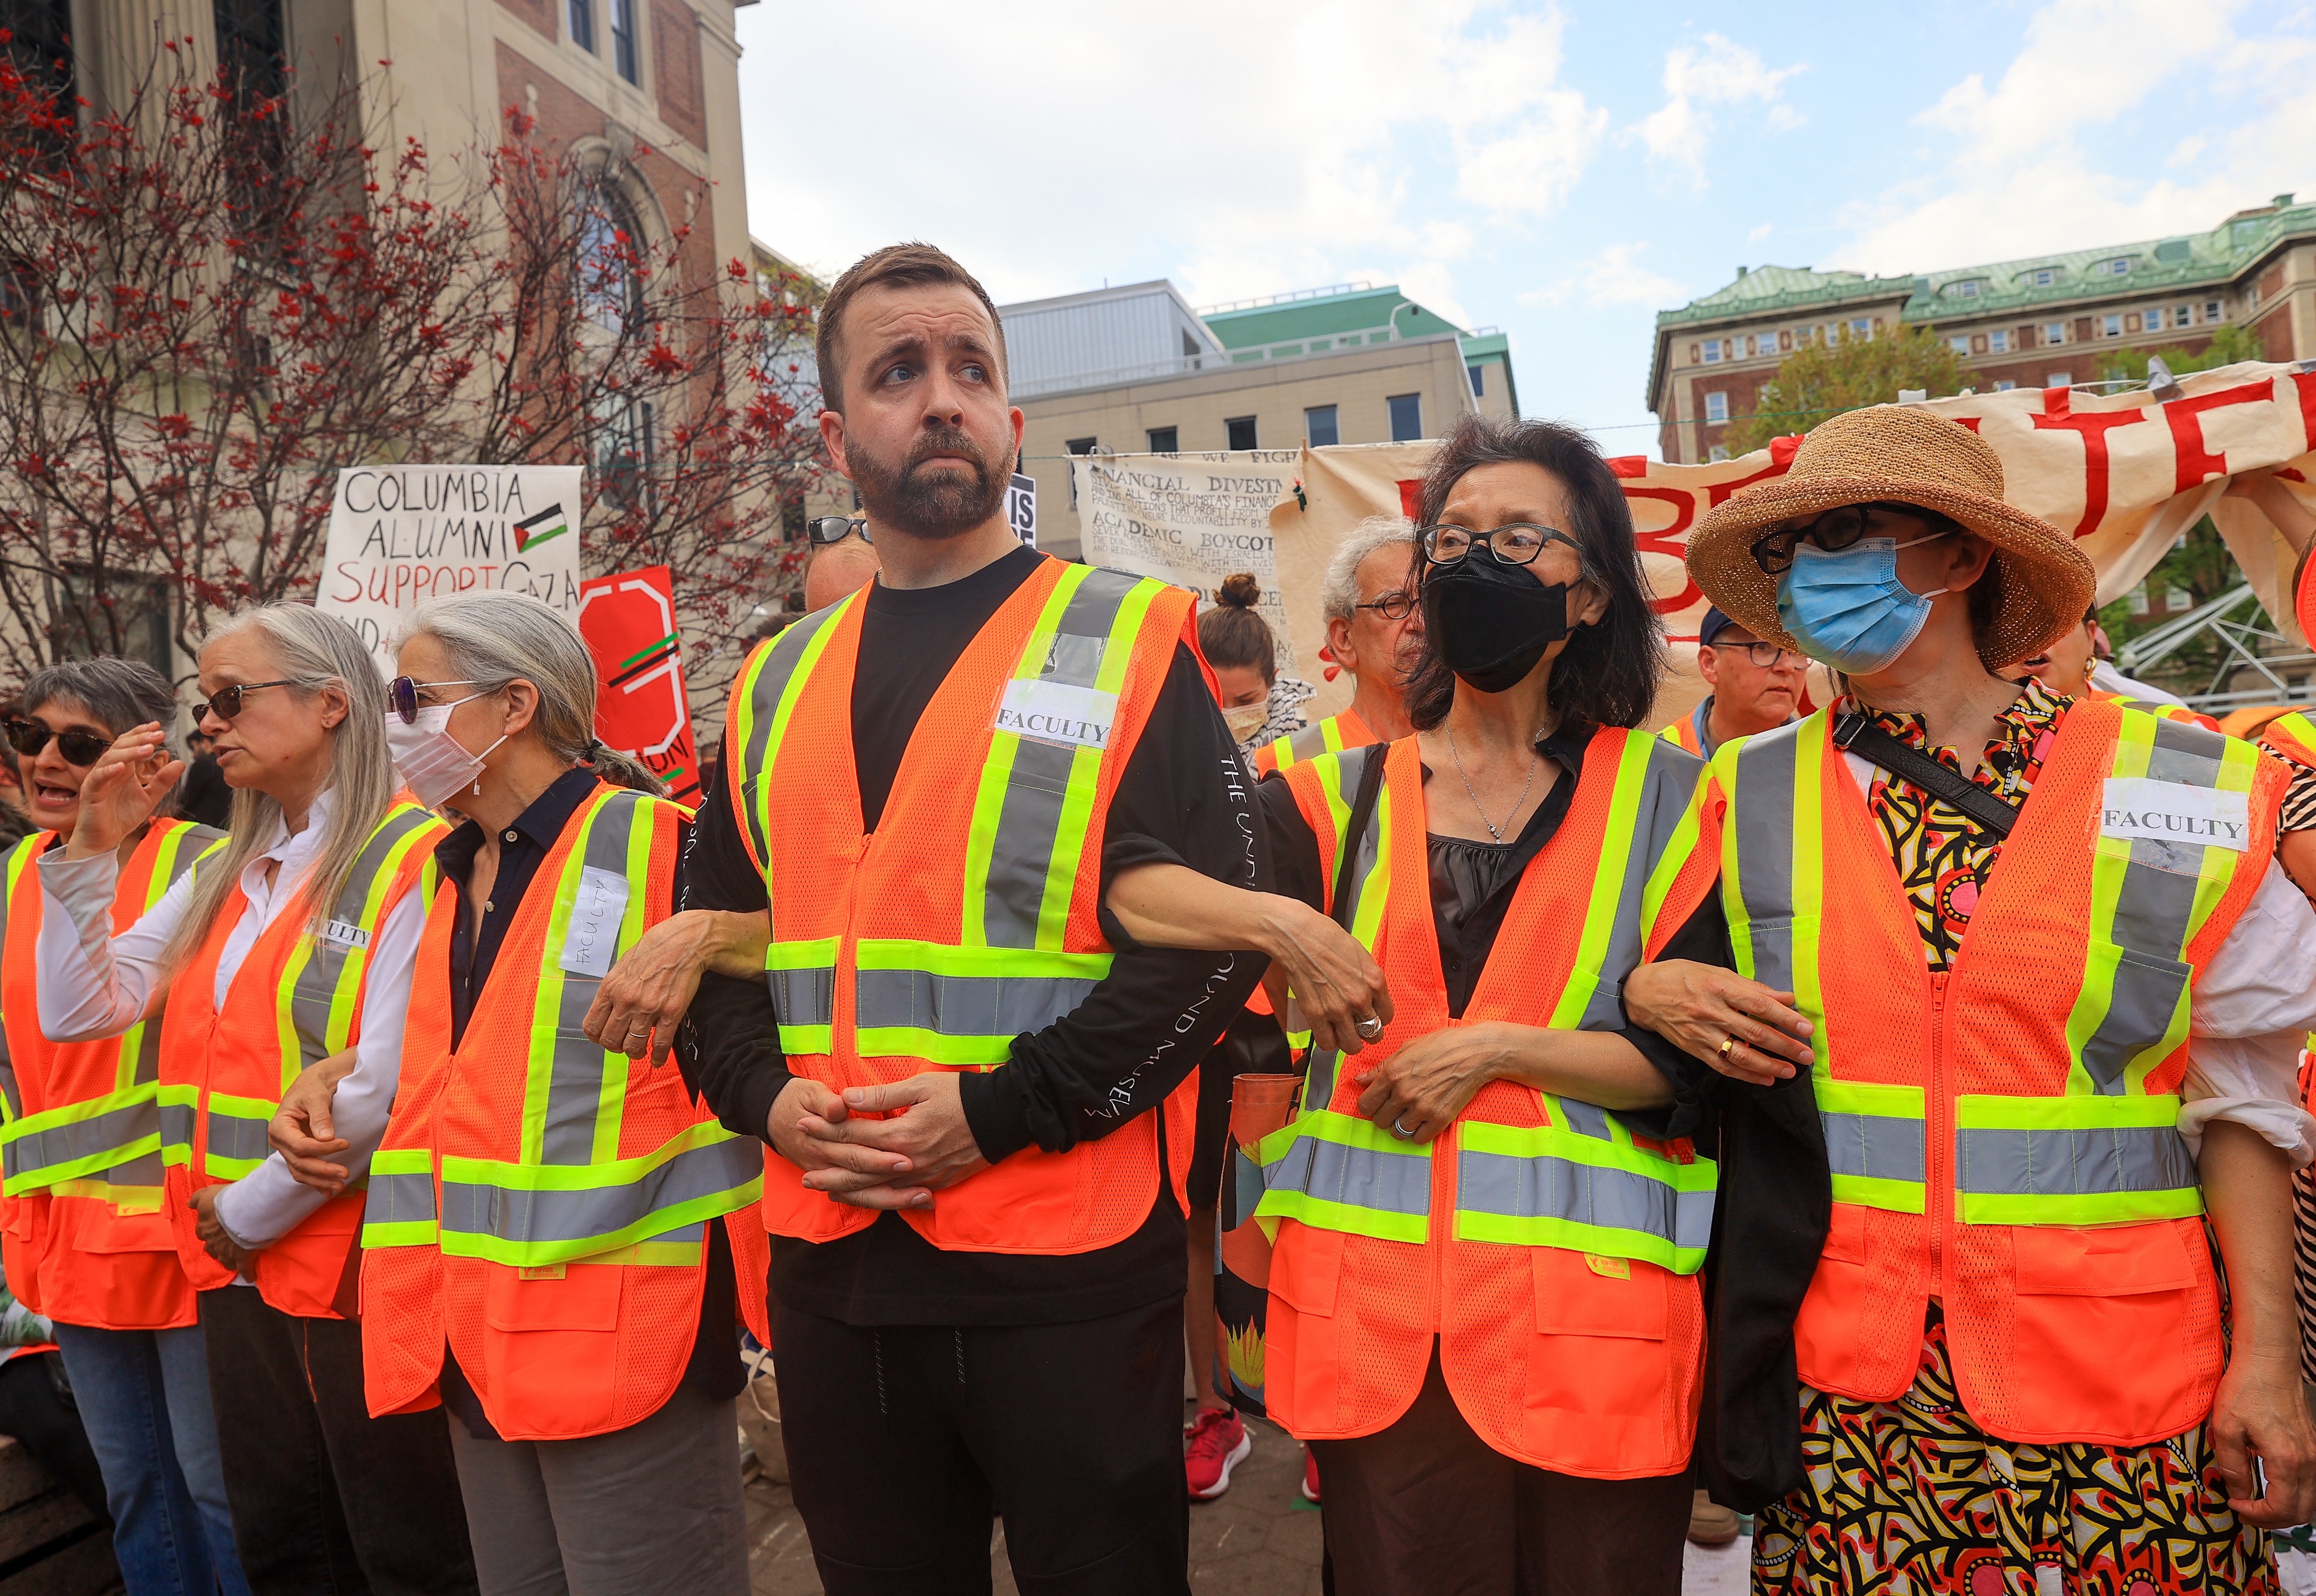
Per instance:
x=28, y=736
x=402, y=696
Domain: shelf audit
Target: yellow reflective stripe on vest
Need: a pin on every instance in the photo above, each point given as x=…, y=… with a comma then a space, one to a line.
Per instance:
x=80, y=1139
x=398, y=1210
x=1555, y=1186
x=1338, y=1171
x=2072, y=1159
x=1370, y=882
x=802, y=976
x=321, y=982
x=182, y=847
x=1876, y=1138
x=180, y=1103
x=961, y=1006
x=20, y=858
x=236, y=1134
x=1629, y=885
x=531, y=1214
x=769, y=683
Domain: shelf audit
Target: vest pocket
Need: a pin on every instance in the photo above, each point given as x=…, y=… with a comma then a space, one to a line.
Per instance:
x=550, y=1349
x=1573, y=1299
x=586, y=1297
x=1845, y=1237
x=2127, y=1261
x=1305, y=1267
x=2103, y=1334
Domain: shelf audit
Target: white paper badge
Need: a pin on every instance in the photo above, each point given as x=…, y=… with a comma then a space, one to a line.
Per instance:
x=593, y=936
x=339, y=933
x=1057, y=712
x=2175, y=812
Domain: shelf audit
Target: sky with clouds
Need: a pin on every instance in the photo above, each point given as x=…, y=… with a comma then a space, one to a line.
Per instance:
x=1560, y=171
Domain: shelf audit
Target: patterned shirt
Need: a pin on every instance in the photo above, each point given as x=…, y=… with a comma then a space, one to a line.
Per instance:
x=1944, y=856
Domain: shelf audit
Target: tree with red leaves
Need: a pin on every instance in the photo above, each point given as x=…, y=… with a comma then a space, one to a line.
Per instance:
x=208, y=307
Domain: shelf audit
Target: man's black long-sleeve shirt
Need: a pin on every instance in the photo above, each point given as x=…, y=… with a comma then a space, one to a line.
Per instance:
x=1182, y=797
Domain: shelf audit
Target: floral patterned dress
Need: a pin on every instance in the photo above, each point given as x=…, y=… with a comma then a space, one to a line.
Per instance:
x=1911, y=1497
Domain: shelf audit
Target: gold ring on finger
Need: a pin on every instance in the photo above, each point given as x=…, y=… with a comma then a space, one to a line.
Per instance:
x=1728, y=1045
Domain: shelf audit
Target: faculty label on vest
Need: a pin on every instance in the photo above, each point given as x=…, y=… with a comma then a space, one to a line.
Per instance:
x=339, y=934
x=2174, y=812
x=593, y=934
x=1057, y=712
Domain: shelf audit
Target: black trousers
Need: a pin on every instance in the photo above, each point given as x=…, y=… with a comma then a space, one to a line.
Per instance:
x=903, y=1441
x=36, y=1408
x=327, y=1500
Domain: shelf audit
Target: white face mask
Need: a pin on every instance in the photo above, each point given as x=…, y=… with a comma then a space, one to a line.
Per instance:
x=1246, y=720
x=433, y=763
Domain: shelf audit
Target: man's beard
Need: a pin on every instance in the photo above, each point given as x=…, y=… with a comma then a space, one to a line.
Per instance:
x=914, y=501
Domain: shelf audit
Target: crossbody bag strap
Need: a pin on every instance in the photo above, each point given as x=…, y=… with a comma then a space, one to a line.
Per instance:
x=1855, y=734
x=1363, y=803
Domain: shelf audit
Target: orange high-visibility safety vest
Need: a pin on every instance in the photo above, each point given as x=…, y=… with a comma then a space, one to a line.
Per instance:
x=540, y=1205
x=1330, y=736
x=296, y=1000
x=1550, y=1249
x=969, y=916
x=2003, y=1137
x=2293, y=737
x=1682, y=734
x=80, y=1122
x=2179, y=712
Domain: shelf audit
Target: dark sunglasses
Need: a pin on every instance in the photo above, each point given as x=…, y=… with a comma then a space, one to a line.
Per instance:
x=1833, y=532
x=833, y=529
x=28, y=736
x=1517, y=544
x=402, y=696
x=1392, y=606
x=225, y=703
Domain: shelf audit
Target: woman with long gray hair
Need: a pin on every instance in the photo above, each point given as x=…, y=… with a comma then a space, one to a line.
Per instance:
x=546, y=1239
x=291, y=946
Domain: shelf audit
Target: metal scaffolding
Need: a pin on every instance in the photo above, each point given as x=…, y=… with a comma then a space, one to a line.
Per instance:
x=2242, y=639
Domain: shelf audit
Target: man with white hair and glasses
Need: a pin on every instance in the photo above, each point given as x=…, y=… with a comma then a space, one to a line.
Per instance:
x=1374, y=632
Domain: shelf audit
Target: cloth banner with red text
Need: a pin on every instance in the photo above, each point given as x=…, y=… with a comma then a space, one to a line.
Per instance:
x=628, y=621
x=2124, y=476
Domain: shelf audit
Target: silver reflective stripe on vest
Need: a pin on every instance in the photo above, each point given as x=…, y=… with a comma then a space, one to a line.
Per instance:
x=237, y=1138
x=520, y=1216
x=314, y=994
x=1877, y=1146
x=403, y=1198
x=83, y=1139
x=176, y=1124
x=1021, y=853
x=962, y=1005
x=1761, y=812
x=2073, y=1162
x=1320, y=1063
x=1611, y=1198
x=804, y=996
x=575, y=1087
x=1666, y=789
x=1391, y=1182
x=787, y=651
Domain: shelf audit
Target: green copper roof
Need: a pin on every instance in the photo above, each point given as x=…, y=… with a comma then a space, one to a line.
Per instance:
x=1350, y=310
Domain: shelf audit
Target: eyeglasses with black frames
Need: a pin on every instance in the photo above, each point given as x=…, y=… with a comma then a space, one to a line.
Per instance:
x=1517, y=543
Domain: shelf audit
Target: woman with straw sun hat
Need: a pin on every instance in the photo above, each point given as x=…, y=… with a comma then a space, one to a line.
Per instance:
x=2055, y=987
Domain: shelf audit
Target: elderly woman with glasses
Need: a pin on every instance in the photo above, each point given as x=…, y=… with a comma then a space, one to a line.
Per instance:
x=2055, y=987
x=1484, y=1315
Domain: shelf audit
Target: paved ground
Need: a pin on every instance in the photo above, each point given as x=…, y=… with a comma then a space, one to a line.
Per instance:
x=1261, y=1539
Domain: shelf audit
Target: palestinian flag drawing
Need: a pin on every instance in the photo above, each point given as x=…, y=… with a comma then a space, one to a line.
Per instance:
x=550, y=523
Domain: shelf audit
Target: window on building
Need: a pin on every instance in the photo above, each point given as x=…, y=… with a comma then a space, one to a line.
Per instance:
x=2138, y=604
x=626, y=42
x=1241, y=429
x=1965, y=289
x=39, y=47
x=611, y=257
x=2042, y=276
x=2112, y=326
x=2055, y=332
x=2213, y=310
x=582, y=14
x=1712, y=352
x=2176, y=599
x=1081, y=445
x=249, y=44
x=1716, y=409
x=2182, y=315
x=1861, y=328
x=1406, y=417
x=626, y=441
x=2120, y=267
x=2004, y=386
x=120, y=612
x=1718, y=452
x=1998, y=342
x=1165, y=440
x=1319, y=426
x=1959, y=343
x=1479, y=376
x=2058, y=380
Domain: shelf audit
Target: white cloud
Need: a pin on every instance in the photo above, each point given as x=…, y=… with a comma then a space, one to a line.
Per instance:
x=1239, y=149
x=1612, y=277
x=1697, y=77
x=1760, y=233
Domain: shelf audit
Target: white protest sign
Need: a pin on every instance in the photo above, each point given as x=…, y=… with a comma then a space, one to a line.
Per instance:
x=400, y=535
x=1022, y=508
x=1189, y=519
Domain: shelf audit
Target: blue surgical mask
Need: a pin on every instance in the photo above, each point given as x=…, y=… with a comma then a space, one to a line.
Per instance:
x=1846, y=608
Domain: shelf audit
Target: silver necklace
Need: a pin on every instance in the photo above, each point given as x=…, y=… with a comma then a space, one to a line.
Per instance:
x=1495, y=833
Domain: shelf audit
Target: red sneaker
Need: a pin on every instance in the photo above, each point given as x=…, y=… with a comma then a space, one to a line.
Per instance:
x=1218, y=1443
x=1310, y=1476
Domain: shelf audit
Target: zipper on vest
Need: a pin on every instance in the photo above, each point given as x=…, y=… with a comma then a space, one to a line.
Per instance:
x=1938, y=1129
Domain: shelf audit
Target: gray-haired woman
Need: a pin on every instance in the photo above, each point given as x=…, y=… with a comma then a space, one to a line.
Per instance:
x=292, y=945
x=545, y=1242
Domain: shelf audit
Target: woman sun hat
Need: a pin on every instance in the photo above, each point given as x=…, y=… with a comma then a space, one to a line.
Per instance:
x=2041, y=583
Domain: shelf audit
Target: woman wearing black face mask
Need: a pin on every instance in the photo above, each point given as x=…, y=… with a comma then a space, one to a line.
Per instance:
x=1485, y=1314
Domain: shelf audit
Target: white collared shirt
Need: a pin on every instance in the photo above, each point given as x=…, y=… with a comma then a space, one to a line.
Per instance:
x=95, y=984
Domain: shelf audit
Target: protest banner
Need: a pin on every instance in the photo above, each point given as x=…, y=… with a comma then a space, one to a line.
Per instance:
x=1189, y=519
x=400, y=535
x=628, y=621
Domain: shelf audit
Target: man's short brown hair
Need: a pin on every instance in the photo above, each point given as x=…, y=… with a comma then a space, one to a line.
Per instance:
x=896, y=265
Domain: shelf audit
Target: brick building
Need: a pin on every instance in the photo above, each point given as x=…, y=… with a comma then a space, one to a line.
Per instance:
x=2043, y=321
